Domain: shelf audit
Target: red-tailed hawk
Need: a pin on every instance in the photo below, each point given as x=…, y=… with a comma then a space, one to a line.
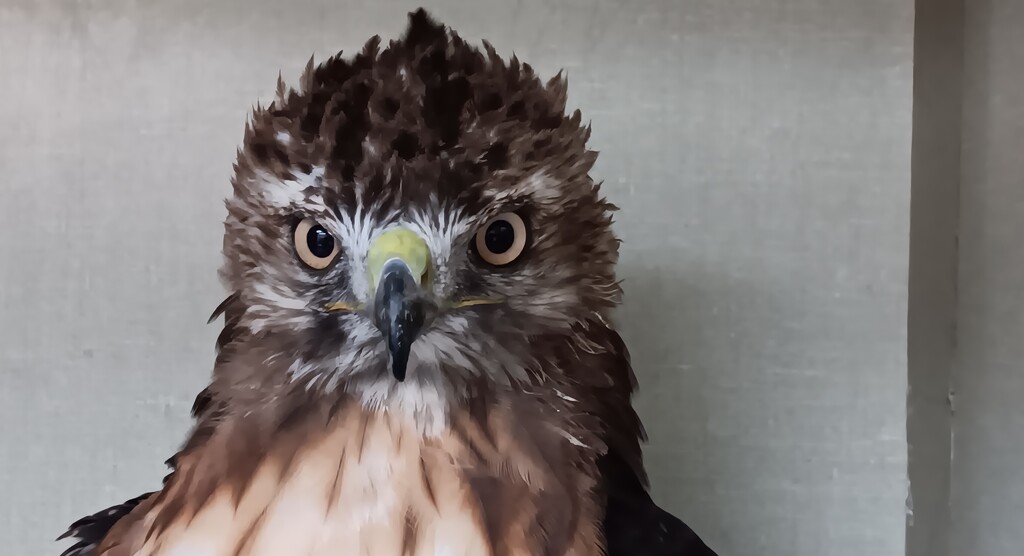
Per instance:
x=417, y=355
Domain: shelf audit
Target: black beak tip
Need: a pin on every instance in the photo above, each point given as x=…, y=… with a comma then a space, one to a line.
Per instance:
x=398, y=367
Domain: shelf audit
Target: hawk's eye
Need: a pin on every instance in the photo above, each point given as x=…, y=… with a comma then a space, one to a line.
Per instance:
x=502, y=239
x=315, y=245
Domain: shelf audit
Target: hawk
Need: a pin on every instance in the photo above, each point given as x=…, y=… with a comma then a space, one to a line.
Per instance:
x=417, y=355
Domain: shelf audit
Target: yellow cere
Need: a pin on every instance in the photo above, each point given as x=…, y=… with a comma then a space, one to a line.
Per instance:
x=398, y=243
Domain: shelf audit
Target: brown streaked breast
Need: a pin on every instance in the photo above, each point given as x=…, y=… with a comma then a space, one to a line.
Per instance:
x=356, y=487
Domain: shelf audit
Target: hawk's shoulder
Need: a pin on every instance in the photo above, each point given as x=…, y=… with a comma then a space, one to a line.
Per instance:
x=634, y=524
x=89, y=531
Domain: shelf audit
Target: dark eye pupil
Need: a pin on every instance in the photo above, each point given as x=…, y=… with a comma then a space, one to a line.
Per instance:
x=320, y=243
x=499, y=237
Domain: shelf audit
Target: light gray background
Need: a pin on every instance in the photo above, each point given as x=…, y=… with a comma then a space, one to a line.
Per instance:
x=760, y=151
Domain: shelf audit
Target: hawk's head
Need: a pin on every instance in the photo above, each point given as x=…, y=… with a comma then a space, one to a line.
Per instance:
x=413, y=220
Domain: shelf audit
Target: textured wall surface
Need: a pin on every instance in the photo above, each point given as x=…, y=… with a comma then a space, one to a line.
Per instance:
x=759, y=149
x=988, y=424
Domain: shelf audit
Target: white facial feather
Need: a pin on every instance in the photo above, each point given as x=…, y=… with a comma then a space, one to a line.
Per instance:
x=356, y=234
x=538, y=186
x=290, y=194
x=275, y=297
x=440, y=230
x=423, y=399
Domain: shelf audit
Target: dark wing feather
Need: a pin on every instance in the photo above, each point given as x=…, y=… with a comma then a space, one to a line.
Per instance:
x=634, y=525
x=91, y=530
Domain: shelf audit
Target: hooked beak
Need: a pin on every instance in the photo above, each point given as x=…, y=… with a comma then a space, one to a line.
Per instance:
x=397, y=264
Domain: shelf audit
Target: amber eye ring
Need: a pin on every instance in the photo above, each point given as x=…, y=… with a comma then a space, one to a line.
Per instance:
x=314, y=245
x=501, y=241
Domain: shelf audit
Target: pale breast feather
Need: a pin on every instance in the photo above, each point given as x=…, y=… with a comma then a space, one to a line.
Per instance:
x=370, y=485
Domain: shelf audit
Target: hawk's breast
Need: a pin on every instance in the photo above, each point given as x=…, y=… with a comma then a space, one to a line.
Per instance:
x=368, y=487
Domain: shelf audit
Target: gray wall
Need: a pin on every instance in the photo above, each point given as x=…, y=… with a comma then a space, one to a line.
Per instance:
x=760, y=150
x=988, y=424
